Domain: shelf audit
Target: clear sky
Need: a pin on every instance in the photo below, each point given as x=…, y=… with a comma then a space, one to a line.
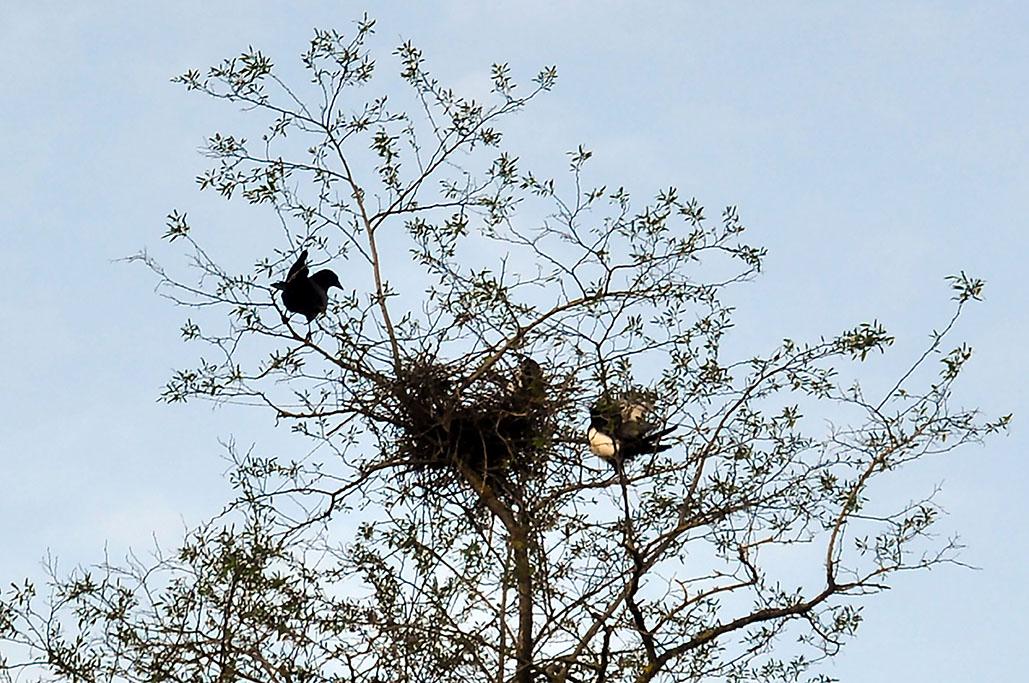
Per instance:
x=874, y=148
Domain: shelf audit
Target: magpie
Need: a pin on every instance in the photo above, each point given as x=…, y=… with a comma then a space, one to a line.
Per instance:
x=308, y=296
x=618, y=431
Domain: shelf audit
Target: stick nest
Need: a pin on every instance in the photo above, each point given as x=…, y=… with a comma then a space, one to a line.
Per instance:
x=488, y=430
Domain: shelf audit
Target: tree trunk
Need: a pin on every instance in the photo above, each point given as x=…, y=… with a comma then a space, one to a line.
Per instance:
x=523, y=576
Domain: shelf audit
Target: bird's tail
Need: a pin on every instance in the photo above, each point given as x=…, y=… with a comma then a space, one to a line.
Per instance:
x=654, y=436
x=652, y=440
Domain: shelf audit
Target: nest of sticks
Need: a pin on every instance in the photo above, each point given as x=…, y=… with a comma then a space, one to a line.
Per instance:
x=485, y=431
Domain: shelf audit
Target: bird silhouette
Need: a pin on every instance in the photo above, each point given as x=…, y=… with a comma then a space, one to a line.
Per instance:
x=527, y=384
x=618, y=431
x=524, y=409
x=308, y=296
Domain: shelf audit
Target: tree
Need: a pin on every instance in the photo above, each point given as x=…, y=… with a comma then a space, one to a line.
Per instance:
x=458, y=528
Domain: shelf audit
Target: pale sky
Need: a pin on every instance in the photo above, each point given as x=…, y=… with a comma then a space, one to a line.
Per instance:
x=873, y=148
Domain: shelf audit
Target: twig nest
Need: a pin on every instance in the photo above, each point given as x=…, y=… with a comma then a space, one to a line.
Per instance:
x=493, y=427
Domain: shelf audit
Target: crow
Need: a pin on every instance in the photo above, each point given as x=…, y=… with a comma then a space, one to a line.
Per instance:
x=308, y=296
x=527, y=382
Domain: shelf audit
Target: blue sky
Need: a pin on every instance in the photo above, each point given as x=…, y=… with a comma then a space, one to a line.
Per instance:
x=873, y=149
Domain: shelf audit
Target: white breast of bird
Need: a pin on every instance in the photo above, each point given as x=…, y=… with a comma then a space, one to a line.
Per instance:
x=601, y=444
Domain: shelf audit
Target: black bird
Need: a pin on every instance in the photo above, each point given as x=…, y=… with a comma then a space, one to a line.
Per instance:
x=308, y=296
x=527, y=383
x=618, y=431
x=525, y=406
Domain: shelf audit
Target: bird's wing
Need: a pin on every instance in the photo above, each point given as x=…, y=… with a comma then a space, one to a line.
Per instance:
x=629, y=430
x=298, y=269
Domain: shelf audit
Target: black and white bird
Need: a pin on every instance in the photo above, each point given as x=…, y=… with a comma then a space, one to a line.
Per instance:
x=308, y=296
x=619, y=432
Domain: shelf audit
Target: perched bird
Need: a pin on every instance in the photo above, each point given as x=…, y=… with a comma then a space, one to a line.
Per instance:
x=525, y=406
x=527, y=383
x=308, y=296
x=618, y=431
